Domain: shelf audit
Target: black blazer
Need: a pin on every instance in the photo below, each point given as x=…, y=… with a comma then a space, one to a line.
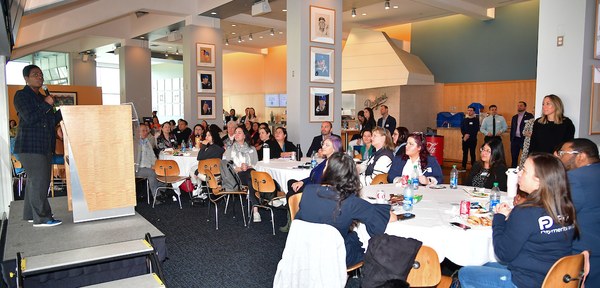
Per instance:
x=316, y=144
x=390, y=124
x=513, y=124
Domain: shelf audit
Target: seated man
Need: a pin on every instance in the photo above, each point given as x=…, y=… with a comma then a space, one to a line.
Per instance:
x=228, y=139
x=182, y=133
x=315, y=146
x=146, y=158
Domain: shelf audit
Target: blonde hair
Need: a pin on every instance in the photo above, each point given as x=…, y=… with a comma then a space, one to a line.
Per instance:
x=389, y=143
x=558, y=110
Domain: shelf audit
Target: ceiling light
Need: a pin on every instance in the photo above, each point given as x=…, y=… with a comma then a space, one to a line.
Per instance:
x=272, y=33
x=233, y=25
x=213, y=13
x=166, y=54
x=387, y=4
x=395, y=6
x=261, y=37
x=353, y=12
x=364, y=14
x=250, y=37
x=141, y=37
x=239, y=39
x=283, y=10
x=232, y=33
x=226, y=42
x=177, y=51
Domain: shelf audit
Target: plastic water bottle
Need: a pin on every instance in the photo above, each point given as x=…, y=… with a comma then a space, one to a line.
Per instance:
x=266, y=153
x=313, y=161
x=407, y=204
x=350, y=151
x=183, y=145
x=415, y=178
x=453, y=178
x=494, y=197
x=190, y=144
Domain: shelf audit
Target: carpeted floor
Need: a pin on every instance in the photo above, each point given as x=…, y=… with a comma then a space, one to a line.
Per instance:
x=200, y=256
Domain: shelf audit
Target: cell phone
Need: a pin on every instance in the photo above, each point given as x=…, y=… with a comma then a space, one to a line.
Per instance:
x=460, y=225
x=405, y=216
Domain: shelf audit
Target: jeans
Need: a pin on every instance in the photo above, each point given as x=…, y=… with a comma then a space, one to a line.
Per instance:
x=490, y=275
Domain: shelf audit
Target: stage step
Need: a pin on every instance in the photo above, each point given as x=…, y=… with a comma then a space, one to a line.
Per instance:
x=142, y=281
x=85, y=256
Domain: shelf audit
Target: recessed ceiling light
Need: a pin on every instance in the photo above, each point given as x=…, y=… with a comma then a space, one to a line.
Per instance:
x=261, y=37
x=395, y=6
x=213, y=13
x=364, y=14
x=233, y=25
x=170, y=47
x=233, y=33
x=280, y=32
x=141, y=37
x=283, y=10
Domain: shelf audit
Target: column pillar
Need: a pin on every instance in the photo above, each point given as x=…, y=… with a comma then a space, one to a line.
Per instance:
x=82, y=73
x=300, y=128
x=202, y=30
x=135, y=76
x=6, y=189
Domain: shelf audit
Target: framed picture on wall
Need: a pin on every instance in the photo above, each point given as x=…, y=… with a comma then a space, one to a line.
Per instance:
x=206, y=107
x=321, y=104
x=595, y=102
x=205, y=55
x=321, y=65
x=597, y=32
x=206, y=81
x=64, y=98
x=322, y=25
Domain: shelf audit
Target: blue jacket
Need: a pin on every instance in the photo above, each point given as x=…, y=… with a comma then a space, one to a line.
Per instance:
x=530, y=242
x=398, y=165
x=37, y=123
x=584, y=183
x=315, y=174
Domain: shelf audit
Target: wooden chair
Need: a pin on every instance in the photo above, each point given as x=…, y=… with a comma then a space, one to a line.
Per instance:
x=568, y=271
x=426, y=271
x=262, y=182
x=144, y=179
x=18, y=172
x=213, y=165
x=167, y=171
x=294, y=204
x=217, y=193
x=380, y=179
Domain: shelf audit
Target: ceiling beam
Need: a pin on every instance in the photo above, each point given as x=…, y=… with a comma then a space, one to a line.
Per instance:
x=462, y=7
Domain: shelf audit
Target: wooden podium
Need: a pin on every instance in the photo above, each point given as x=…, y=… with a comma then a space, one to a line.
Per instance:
x=99, y=161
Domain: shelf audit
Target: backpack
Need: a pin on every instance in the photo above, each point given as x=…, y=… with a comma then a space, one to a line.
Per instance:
x=229, y=178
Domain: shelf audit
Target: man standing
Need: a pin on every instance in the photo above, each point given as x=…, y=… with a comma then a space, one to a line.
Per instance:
x=146, y=158
x=516, y=131
x=469, y=128
x=580, y=157
x=386, y=121
x=34, y=145
x=493, y=125
x=315, y=146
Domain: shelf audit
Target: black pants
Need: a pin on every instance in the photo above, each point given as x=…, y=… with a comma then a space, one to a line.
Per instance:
x=488, y=138
x=516, y=144
x=469, y=146
x=36, y=205
x=291, y=191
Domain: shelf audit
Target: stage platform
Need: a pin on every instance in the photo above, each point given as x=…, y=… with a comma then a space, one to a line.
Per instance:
x=22, y=237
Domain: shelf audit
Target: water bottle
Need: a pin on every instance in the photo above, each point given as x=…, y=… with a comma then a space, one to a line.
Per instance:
x=407, y=204
x=453, y=178
x=313, y=161
x=415, y=178
x=298, y=152
x=190, y=144
x=494, y=197
x=350, y=151
x=183, y=145
x=266, y=153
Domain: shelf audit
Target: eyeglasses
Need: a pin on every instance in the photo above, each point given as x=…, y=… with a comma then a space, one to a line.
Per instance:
x=562, y=152
x=35, y=75
x=485, y=150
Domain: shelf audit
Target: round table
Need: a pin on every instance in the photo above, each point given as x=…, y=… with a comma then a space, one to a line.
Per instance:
x=186, y=162
x=431, y=224
x=282, y=170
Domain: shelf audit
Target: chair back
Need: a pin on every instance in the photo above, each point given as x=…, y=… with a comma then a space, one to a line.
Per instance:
x=426, y=271
x=262, y=182
x=211, y=180
x=213, y=165
x=166, y=168
x=294, y=204
x=380, y=179
x=567, y=272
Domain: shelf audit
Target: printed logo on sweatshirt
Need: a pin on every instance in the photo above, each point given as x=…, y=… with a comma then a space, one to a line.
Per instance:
x=546, y=222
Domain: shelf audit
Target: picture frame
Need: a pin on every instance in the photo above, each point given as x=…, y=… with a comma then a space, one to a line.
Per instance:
x=205, y=55
x=595, y=102
x=597, y=32
x=322, y=25
x=206, y=107
x=206, y=81
x=64, y=98
x=321, y=104
x=322, y=64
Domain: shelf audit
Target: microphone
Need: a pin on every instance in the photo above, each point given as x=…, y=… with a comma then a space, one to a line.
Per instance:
x=46, y=90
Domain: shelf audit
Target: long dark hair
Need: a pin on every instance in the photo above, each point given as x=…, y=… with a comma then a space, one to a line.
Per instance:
x=216, y=138
x=497, y=155
x=553, y=194
x=403, y=132
x=342, y=176
x=371, y=120
x=422, y=143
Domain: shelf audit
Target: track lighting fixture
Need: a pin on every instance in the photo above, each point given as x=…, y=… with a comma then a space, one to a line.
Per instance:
x=353, y=12
x=226, y=42
x=250, y=37
x=272, y=33
x=387, y=4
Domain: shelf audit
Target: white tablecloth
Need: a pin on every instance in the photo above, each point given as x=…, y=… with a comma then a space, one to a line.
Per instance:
x=283, y=170
x=185, y=162
x=431, y=225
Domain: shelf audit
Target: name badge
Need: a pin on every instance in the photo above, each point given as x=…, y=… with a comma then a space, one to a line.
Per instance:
x=387, y=125
x=470, y=123
x=485, y=174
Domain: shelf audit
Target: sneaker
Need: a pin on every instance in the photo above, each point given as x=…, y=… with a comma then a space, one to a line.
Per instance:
x=203, y=196
x=50, y=223
x=256, y=217
x=30, y=220
x=174, y=199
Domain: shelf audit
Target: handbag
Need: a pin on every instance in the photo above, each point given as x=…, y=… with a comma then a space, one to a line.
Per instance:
x=187, y=186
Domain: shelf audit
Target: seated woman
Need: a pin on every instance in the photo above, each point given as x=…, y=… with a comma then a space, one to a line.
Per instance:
x=538, y=232
x=491, y=168
x=211, y=147
x=197, y=135
x=336, y=201
x=381, y=160
x=416, y=154
x=264, y=134
x=283, y=147
x=165, y=139
x=366, y=149
x=399, y=138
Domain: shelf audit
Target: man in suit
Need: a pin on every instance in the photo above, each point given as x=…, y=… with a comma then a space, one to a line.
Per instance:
x=516, y=131
x=386, y=121
x=315, y=146
x=580, y=157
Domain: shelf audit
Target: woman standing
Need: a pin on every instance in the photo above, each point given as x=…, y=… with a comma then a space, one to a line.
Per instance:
x=538, y=232
x=34, y=145
x=369, y=119
x=553, y=128
x=381, y=160
x=336, y=201
x=416, y=155
x=491, y=168
x=284, y=148
x=399, y=138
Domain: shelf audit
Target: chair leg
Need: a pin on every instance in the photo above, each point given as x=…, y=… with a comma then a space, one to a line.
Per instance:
x=148, y=190
x=208, y=210
x=155, y=194
x=272, y=221
x=242, y=208
x=226, y=204
x=179, y=200
x=216, y=217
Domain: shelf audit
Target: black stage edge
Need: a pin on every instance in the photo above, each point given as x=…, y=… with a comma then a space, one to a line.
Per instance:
x=21, y=236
